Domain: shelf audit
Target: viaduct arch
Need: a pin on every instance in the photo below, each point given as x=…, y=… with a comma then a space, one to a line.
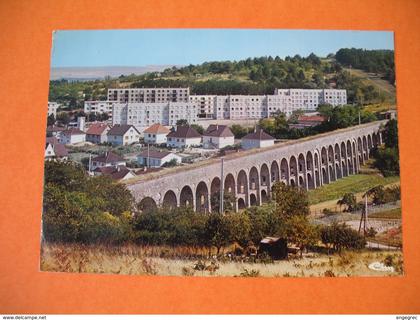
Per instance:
x=249, y=176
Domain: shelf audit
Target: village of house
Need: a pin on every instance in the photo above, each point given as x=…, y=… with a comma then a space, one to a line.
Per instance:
x=124, y=149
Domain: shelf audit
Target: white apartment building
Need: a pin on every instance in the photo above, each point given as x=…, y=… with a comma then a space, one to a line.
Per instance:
x=238, y=107
x=309, y=99
x=98, y=107
x=149, y=95
x=143, y=107
x=52, y=108
x=205, y=105
x=143, y=115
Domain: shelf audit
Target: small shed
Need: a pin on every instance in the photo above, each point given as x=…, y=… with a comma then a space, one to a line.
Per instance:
x=276, y=248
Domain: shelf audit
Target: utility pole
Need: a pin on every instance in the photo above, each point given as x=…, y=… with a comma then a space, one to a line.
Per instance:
x=148, y=156
x=221, y=186
x=364, y=218
x=90, y=163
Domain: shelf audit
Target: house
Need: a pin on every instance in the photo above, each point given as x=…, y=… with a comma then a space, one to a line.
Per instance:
x=52, y=108
x=97, y=133
x=72, y=136
x=154, y=158
x=257, y=139
x=123, y=134
x=116, y=173
x=55, y=150
x=217, y=136
x=156, y=134
x=54, y=131
x=307, y=121
x=183, y=137
x=108, y=159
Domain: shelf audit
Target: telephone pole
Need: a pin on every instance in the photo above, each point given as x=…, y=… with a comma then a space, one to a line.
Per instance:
x=221, y=186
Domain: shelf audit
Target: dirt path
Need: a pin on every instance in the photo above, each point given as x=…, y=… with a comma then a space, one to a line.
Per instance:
x=332, y=204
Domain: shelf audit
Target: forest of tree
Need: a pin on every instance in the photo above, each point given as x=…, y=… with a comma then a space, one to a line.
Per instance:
x=377, y=61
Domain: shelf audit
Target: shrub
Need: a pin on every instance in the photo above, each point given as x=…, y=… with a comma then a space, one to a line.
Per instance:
x=249, y=273
x=341, y=236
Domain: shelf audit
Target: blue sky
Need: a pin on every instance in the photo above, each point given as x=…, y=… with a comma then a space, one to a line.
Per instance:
x=93, y=48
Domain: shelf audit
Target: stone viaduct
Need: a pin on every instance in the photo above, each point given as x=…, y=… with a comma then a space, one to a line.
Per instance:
x=249, y=175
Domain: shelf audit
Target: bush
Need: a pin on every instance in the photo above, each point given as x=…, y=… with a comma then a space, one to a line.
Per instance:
x=341, y=236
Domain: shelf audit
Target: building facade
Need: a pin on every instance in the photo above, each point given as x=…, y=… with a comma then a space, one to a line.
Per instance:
x=156, y=134
x=52, y=108
x=143, y=115
x=183, y=137
x=122, y=134
x=156, y=159
x=142, y=107
x=218, y=137
x=98, y=107
x=149, y=95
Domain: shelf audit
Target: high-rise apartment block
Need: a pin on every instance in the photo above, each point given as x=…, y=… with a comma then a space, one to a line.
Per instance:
x=143, y=115
x=142, y=107
x=98, y=107
x=152, y=95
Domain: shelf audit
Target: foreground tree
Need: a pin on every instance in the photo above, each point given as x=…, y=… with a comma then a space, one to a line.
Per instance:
x=290, y=201
x=340, y=236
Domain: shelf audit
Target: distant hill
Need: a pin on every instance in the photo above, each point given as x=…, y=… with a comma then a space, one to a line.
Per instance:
x=93, y=73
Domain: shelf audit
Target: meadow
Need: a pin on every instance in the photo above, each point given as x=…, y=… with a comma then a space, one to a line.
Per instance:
x=161, y=260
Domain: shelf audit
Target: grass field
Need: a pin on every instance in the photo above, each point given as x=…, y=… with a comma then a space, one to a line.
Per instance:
x=390, y=214
x=355, y=183
x=133, y=260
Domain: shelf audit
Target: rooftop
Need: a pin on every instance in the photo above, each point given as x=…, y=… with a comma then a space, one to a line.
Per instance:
x=59, y=149
x=314, y=118
x=115, y=173
x=120, y=129
x=72, y=131
x=258, y=134
x=157, y=128
x=184, y=132
x=215, y=130
x=97, y=128
x=108, y=157
x=154, y=154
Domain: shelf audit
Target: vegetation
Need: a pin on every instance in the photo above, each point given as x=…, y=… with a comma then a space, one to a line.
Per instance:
x=187, y=261
x=349, y=200
x=336, y=118
x=340, y=236
x=377, y=61
x=78, y=208
x=351, y=184
x=380, y=195
x=389, y=214
x=387, y=157
x=259, y=75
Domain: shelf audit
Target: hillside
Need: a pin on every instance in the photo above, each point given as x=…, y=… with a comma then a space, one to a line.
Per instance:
x=250, y=76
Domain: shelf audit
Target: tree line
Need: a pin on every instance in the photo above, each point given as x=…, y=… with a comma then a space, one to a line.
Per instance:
x=260, y=75
x=377, y=61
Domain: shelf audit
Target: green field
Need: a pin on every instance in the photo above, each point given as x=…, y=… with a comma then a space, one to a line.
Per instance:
x=355, y=184
x=389, y=214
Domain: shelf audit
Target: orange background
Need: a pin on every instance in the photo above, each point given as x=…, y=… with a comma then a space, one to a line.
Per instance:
x=25, y=36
